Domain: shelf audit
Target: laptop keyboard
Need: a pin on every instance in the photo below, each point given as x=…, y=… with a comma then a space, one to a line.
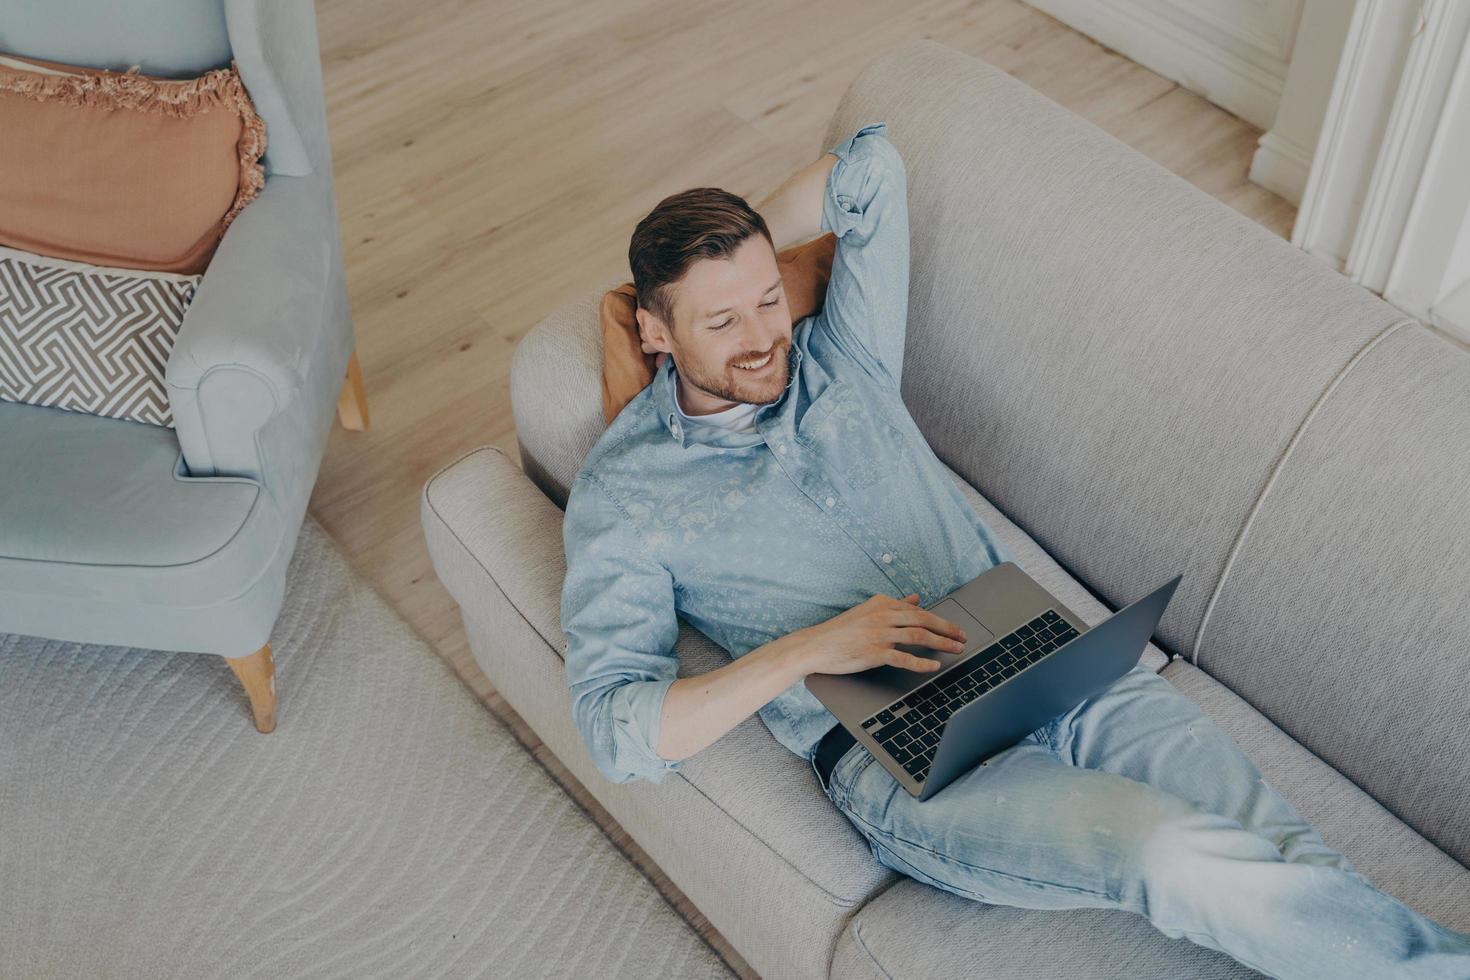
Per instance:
x=910, y=727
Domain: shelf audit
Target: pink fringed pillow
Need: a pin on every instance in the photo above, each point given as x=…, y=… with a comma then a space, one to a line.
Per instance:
x=121, y=169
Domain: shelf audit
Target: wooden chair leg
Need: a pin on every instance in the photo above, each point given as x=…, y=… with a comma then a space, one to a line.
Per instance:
x=257, y=674
x=352, y=406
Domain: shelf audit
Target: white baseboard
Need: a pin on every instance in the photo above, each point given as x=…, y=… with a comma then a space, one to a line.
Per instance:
x=1249, y=87
x=1281, y=166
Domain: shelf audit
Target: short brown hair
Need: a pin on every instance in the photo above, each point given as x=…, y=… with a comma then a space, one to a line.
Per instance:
x=700, y=223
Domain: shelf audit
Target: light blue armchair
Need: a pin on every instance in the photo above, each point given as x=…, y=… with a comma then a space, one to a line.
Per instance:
x=128, y=534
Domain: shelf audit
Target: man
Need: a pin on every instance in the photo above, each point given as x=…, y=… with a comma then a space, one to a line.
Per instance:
x=770, y=486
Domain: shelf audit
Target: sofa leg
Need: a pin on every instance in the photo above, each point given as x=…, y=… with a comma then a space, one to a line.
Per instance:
x=257, y=674
x=352, y=406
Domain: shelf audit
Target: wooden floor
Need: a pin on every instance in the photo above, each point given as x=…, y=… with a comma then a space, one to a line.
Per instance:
x=493, y=157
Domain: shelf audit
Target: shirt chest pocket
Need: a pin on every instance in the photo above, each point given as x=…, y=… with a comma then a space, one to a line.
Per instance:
x=850, y=428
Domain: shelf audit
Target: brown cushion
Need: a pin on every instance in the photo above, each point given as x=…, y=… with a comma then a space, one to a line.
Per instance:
x=628, y=365
x=120, y=169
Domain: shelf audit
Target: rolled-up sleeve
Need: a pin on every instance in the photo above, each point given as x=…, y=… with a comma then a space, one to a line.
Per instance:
x=618, y=613
x=866, y=206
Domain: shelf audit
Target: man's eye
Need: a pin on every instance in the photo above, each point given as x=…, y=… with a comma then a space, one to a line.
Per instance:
x=772, y=302
x=722, y=326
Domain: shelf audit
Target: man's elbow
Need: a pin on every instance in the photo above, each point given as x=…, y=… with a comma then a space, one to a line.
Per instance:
x=614, y=744
x=616, y=776
x=613, y=772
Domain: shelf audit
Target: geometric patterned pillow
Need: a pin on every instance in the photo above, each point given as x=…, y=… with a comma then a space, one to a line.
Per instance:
x=87, y=338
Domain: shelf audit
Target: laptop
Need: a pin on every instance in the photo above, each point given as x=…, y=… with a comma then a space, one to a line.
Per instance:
x=1027, y=659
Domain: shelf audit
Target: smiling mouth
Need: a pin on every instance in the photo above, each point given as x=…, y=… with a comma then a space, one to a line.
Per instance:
x=756, y=367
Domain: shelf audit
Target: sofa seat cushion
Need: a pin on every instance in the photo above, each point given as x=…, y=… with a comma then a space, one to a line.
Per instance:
x=103, y=507
x=915, y=929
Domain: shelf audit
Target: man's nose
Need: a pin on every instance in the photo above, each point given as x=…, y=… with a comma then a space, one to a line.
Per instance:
x=759, y=342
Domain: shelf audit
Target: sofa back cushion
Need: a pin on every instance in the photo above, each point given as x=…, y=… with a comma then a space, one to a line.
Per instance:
x=1112, y=357
x=1343, y=616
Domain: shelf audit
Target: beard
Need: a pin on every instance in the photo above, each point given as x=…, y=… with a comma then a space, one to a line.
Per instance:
x=733, y=384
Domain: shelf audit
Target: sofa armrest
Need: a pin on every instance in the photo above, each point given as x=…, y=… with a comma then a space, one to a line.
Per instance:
x=746, y=801
x=249, y=335
x=483, y=516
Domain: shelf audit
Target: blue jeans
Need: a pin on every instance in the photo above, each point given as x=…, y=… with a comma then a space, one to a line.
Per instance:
x=1136, y=800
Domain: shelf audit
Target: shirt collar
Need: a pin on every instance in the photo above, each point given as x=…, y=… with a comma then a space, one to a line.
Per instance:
x=665, y=382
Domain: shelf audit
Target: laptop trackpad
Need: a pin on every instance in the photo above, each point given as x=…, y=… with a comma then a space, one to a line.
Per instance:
x=976, y=636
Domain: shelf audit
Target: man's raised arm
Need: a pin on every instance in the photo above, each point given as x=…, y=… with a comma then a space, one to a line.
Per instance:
x=858, y=190
x=866, y=207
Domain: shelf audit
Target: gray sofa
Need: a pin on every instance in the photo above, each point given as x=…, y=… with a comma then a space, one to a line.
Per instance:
x=1128, y=380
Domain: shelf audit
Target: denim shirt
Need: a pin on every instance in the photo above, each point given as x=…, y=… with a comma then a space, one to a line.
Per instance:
x=750, y=536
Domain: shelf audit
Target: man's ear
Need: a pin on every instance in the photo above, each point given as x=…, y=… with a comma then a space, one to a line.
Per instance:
x=653, y=333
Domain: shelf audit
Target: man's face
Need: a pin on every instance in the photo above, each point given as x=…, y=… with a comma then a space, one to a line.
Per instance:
x=728, y=312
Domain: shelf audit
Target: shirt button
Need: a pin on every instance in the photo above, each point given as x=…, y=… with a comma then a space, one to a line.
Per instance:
x=676, y=428
x=887, y=558
x=830, y=501
x=781, y=448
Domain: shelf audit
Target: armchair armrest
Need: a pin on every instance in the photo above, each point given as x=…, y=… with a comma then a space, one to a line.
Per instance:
x=244, y=352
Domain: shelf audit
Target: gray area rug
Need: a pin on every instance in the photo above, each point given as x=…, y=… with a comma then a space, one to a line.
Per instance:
x=389, y=827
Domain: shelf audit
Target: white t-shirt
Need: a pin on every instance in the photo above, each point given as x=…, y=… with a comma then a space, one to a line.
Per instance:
x=737, y=418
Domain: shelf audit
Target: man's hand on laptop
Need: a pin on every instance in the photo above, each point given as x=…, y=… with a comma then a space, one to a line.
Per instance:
x=699, y=709
x=865, y=636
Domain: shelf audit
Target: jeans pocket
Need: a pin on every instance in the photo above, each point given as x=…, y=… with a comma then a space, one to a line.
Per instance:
x=847, y=770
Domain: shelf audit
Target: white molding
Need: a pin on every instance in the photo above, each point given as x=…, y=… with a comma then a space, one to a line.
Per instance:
x=1452, y=314
x=1388, y=199
x=1281, y=166
x=1352, y=129
x=1431, y=263
x=1225, y=68
x=1433, y=54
